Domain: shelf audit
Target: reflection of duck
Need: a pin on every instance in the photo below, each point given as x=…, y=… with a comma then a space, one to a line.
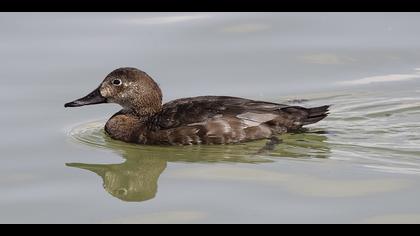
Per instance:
x=187, y=121
x=136, y=179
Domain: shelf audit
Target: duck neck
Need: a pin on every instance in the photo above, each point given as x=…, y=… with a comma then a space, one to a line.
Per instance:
x=144, y=114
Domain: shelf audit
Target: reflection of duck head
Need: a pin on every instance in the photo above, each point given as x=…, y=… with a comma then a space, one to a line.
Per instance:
x=135, y=180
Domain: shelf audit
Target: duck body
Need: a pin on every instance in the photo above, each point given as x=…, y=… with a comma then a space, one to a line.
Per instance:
x=188, y=121
x=211, y=120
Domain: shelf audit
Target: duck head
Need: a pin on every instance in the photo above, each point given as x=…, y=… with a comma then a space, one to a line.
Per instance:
x=131, y=88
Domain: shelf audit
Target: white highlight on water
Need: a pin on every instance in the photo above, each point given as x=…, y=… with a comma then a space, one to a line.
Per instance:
x=383, y=78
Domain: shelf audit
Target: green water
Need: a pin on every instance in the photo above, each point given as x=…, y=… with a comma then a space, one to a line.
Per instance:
x=359, y=165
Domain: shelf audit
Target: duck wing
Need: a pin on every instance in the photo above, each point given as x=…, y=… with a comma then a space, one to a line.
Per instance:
x=224, y=120
x=196, y=110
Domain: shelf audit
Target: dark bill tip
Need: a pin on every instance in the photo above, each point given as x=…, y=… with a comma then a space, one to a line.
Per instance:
x=92, y=98
x=73, y=104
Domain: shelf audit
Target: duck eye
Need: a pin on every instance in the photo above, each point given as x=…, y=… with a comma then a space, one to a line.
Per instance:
x=117, y=82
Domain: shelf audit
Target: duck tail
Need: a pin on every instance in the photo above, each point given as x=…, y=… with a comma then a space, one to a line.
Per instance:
x=316, y=114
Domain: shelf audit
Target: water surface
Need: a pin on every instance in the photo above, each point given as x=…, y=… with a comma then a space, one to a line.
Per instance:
x=361, y=164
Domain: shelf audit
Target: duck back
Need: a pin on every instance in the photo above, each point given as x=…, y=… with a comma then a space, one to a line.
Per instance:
x=225, y=120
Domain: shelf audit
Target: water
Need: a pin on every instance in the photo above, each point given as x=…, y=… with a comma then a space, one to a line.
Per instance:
x=361, y=164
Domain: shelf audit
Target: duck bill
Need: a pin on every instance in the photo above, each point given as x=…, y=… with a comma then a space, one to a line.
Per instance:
x=98, y=169
x=92, y=98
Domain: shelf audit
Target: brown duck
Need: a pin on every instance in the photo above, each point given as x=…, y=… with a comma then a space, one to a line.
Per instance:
x=186, y=121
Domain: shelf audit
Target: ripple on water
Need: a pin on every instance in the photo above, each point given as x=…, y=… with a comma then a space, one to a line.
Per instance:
x=300, y=145
x=373, y=128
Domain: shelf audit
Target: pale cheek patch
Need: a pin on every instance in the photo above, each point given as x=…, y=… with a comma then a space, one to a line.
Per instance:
x=105, y=92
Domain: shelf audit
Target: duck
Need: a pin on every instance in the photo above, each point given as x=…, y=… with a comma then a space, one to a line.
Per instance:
x=144, y=119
